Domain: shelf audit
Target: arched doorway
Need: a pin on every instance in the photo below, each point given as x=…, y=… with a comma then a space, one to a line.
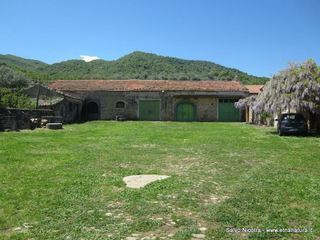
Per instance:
x=92, y=110
x=186, y=112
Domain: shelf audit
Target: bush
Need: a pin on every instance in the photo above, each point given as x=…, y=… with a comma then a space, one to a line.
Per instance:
x=12, y=79
x=14, y=99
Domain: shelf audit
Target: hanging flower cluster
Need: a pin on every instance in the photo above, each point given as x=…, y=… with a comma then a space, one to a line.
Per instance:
x=245, y=102
x=295, y=88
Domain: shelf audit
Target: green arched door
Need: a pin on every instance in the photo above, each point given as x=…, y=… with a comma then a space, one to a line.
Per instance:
x=185, y=112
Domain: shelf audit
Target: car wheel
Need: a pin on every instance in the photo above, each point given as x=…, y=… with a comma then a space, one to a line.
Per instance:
x=280, y=133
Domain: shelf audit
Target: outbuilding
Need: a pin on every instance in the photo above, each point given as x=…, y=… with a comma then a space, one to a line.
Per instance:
x=67, y=107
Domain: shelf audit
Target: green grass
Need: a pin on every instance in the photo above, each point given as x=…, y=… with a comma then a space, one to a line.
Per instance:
x=68, y=184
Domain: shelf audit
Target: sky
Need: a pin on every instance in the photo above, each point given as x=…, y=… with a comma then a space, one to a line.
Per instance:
x=259, y=37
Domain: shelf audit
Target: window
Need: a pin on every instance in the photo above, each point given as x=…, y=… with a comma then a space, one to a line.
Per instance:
x=227, y=100
x=120, y=104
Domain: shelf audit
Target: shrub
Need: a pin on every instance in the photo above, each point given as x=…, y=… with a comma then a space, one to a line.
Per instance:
x=14, y=99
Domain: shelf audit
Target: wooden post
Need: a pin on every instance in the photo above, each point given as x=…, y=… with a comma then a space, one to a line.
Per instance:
x=38, y=95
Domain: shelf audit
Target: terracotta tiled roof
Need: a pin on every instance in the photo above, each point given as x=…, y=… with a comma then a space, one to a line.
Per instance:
x=254, y=89
x=146, y=85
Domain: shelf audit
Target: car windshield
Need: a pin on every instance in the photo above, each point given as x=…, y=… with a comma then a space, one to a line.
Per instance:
x=295, y=117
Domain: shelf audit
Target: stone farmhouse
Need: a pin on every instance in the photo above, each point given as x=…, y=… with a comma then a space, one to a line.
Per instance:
x=154, y=100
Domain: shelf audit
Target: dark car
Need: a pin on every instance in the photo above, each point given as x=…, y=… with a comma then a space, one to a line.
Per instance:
x=292, y=123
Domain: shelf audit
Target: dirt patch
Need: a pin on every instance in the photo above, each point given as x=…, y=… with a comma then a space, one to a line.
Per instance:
x=215, y=199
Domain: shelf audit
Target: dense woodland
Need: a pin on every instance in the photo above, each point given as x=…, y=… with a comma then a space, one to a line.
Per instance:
x=137, y=65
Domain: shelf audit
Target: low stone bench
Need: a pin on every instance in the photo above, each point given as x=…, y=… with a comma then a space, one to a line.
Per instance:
x=54, y=126
x=121, y=118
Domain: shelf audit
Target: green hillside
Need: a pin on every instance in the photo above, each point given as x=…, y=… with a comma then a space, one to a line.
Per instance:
x=137, y=65
x=31, y=69
x=22, y=63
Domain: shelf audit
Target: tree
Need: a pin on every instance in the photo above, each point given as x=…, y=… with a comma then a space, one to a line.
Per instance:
x=14, y=99
x=12, y=79
x=243, y=103
x=295, y=88
x=11, y=84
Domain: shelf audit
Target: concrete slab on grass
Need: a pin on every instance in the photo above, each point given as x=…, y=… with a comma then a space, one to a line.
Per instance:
x=139, y=181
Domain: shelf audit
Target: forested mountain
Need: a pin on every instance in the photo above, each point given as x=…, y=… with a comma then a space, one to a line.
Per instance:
x=137, y=65
x=22, y=63
x=31, y=69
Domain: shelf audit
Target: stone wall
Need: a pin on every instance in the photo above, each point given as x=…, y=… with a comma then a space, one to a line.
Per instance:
x=206, y=103
x=206, y=107
x=70, y=111
x=107, y=103
x=15, y=119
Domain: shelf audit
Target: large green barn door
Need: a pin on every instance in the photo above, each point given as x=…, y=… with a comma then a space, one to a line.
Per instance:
x=185, y=112
x=149, y=110
x=227, y=111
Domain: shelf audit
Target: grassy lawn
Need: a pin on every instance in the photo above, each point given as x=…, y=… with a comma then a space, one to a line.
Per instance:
x=68, y=184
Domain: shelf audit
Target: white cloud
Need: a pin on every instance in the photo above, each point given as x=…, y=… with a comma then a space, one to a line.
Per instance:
x=87, y=58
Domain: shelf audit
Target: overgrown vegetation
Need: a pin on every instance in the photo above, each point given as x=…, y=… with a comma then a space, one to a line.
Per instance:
x=137, y=65
x=14, y=99
x=295, y=88
x=68, y=184
x=11, y=85
x=12, y=79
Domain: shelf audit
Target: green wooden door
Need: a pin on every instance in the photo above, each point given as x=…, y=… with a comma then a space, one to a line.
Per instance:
x=149, y=110
x=186, y=112
x=227, y=111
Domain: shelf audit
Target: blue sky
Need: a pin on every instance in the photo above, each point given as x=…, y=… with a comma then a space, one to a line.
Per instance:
x=256, y=36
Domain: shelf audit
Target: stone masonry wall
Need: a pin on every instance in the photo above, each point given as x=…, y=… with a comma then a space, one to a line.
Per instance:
x=206, y=103
x=15, y=119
